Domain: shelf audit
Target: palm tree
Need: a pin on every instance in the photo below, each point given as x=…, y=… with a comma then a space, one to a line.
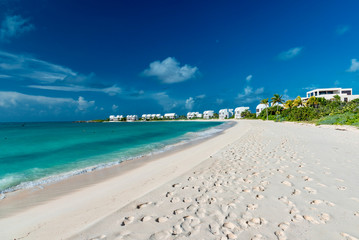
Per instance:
x=265, y=102
x=289, y=104
x=298, y=102
x=276, y=99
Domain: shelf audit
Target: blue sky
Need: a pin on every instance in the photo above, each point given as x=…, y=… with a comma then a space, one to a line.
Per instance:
x=73, y=60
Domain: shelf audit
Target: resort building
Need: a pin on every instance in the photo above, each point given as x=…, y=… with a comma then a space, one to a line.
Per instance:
x=170, y=116
x=260, y=108
x=116, y=118
x=208, y=114
x=191, y=115
x=131, y=118
x=146, y=117
x=345, y=94
x=238, y=111
x=277, y=104
x=225, y=113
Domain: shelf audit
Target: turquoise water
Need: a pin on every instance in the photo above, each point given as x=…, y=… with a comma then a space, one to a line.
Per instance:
x=35, y=153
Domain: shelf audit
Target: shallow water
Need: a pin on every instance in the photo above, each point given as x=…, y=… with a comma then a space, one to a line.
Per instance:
x=35, y=153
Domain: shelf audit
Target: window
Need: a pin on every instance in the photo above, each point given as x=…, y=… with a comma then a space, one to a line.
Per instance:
x=345, y=99
x=257, y=110
x=347, y=92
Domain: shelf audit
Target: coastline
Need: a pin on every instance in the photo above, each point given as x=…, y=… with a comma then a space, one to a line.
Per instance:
x=38, y=200
x=257, y=180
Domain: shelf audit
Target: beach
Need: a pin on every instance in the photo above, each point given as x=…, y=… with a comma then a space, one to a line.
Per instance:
x=256, y=180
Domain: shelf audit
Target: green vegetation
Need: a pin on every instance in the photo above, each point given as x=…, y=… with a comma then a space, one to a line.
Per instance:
x=315, y=110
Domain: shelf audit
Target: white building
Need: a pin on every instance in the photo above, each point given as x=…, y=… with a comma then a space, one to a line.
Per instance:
x=170, y=116
x=345, y=94
x=225, y=113
x=238, y=111
x=260, y=108
x=159, y=116
x=131, y=118
x=208, y=114
x=116, y=118
x=277, y=104
x=191, y=115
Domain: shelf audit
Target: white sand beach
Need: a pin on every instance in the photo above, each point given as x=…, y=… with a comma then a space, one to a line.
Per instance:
x=257, y=180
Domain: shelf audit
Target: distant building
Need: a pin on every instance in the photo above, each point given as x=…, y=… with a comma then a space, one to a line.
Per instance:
x=238, y=111
x=225, y=113
x=345, y=94
x=191, y=115
x=131, y=118
x=170, y=116
x=208, y=114
x=260, y=108
x=116, y=118
x=277, y=104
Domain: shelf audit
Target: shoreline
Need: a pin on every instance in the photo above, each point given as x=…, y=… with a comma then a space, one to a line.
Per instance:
x=58, y=196
x=40, y=190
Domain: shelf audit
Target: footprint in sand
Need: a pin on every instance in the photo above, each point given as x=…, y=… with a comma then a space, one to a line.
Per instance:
x=280, y=235
x=342, y=188
x=296, y=192
x=310, y=219
x=324, y=217
x=287, y=183
x=348, y=237
x=257, y=237
x=284, y=226
x=310, y=190
x=128, y=220
x=316, y=202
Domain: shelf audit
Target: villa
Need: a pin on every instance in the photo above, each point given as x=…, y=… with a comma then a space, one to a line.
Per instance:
x=208, y=114
x=225, y=113
x=345, y=94
x=238, y=111
x=260, y=108
x=114, y=118
x=131, y=118
x=191, y=115
x=170, y=116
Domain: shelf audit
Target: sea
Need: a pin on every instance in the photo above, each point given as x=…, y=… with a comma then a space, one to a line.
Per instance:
x=35, y=154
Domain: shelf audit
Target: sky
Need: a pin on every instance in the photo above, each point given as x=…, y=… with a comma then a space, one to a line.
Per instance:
x=80, y=60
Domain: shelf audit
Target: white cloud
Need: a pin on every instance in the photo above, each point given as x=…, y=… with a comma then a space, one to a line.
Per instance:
x=249, y=96
x=355, y=66
x=14, y=26
x=114, y=108
x=201, y=96
x=113, y=90
x=169, y=71
x=249, y=78
x=219, y=101
x=83, y=105
x=342, y=29
x=164, y=100
x=20, y=100
x=189, y=103
x=24, y=67
x=291, y=53
x=259, y=90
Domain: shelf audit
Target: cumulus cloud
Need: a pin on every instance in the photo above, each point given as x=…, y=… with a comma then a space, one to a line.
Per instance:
x=169, y=71
x=14, y=26
x=249, y=95
x=342, y=29
x=249, y=78
x=114, y=108
x=19, y=100
x=189, y=103
x=291, y=53
x=164, y=100
x=354, y=66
